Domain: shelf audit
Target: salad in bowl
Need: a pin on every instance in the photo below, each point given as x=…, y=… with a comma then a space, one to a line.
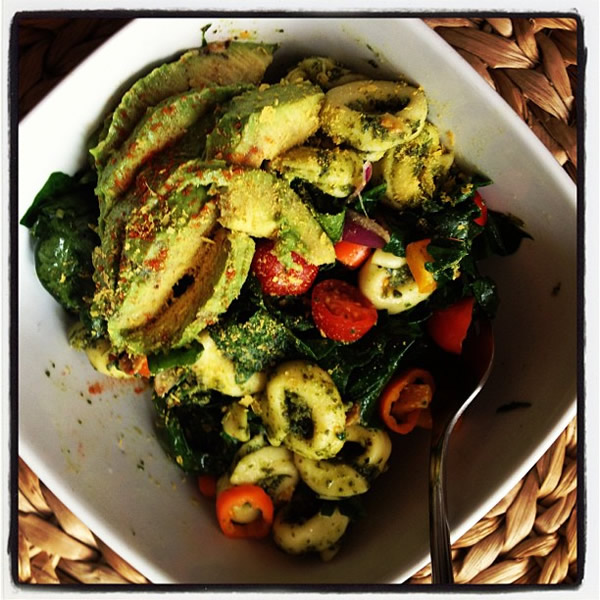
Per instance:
x=289, y=260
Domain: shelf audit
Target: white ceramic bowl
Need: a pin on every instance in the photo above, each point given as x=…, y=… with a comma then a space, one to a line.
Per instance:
x=98, y=453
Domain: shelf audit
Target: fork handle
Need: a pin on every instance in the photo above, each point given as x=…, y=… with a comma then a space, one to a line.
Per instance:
x=439, y=533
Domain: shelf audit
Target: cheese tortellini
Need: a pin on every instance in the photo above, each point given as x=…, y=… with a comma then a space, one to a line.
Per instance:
x=339, y=478
x=387, y=282
x=320, y=533
x=303, y=410
x=270, y=467
x=374, y=116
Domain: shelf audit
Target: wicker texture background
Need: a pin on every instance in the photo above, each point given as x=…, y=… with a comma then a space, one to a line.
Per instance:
x=531, y=535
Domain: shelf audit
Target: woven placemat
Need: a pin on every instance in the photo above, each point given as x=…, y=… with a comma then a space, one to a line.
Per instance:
x=528, y=537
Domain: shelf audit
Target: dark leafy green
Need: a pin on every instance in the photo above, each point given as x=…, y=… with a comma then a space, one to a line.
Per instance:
x=447, y=253
x=330, y=212
x=62, y=218
x=458, y=186
x=502, y=235
x=368, y=200
x=485, y=291
x=332, y=223
x=254, y=344
x=191, y=431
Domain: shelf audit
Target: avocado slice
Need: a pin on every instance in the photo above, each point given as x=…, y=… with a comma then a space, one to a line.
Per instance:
x=336, y=171
x=212, y=281
x=220, y=280
x=259, y=204
x=218, y=63
x=159, y=128
x=264, y=122
x=412, y=172
x=158, y=240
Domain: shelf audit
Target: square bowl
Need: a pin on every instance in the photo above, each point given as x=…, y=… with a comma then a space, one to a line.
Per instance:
x=91, y=439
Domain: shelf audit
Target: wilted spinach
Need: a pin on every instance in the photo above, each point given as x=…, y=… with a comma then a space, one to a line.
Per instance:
x=191, y=432
x=62, y=218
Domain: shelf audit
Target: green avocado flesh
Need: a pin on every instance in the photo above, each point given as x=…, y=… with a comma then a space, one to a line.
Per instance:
x=166, y=269
x=212, y=281
x=259, y=204
x=160, y=127
x=148, y=247
x=260, y=124
x=217, y=64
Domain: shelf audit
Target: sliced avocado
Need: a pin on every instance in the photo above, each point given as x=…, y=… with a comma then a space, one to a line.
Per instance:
x=159, y=128
x=258, y=203
x=160, y=240
x=212, y=281
x=412, y=172
x=337, y=171
x=217, y=63
x=322, y=71
x=106, y=257
x=262, y=123
x=220, y=280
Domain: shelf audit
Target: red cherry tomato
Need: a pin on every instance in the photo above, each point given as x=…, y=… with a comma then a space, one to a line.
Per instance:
x=340, y=311
x=482, y=218
x=448, y=326
x=276, y=279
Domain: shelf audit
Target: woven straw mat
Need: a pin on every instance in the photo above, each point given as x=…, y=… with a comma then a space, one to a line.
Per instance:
x=528, y=537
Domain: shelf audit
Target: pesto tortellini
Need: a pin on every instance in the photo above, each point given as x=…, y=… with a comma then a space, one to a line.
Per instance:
x=387, y=282
x=374, y=115
x=323, y=71
x=303, y=410
x=339, y=478
x=319, y=533
x=412, y=171
x=271, y=467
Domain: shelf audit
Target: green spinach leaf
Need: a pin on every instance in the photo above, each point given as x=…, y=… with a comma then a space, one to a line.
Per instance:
x=191, y=431
x=502, y=235
x=62, y=218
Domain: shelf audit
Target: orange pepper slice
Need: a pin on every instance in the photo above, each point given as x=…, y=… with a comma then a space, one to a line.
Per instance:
x=416, y=257
x=236, y=497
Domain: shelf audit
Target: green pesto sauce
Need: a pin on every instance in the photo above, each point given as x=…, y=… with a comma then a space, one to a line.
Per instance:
x=299, y=415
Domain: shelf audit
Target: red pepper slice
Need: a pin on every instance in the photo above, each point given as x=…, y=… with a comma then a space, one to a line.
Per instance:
x=350, y=254
x=404, y=399
x=448, y=326
x=479, y=201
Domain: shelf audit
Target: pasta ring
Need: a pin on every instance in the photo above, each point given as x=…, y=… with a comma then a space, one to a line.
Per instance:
x=372, y=115
x=270, y=467
x=316, y=534
x=301, y=393
x=335, y=479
